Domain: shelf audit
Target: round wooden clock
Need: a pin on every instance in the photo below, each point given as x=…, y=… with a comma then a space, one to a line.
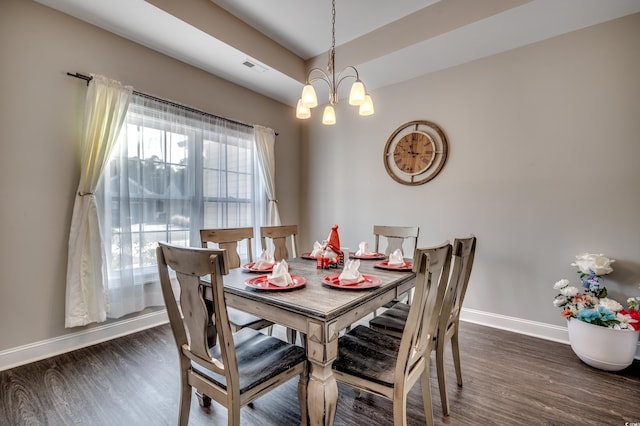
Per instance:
x=415, y=152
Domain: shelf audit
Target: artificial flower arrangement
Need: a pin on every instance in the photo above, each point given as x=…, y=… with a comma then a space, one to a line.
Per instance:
x=591, y=304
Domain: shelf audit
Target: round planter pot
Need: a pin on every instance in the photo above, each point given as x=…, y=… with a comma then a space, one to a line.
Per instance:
x=602, y=347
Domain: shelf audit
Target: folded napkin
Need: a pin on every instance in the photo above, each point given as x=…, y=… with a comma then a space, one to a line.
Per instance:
x=266, y=260
x=350, y=273
x=363, y=248
x=396, y=258
x=317, y=250
x=280, y=275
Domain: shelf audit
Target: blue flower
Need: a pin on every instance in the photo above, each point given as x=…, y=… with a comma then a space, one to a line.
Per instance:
x=599, y=314
x=591, y=282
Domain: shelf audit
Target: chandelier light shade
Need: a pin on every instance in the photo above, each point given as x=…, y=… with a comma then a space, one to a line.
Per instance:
x=328, y=116
x=309, y=98
x=302, y=111
x=358, y=95
x=366, y=108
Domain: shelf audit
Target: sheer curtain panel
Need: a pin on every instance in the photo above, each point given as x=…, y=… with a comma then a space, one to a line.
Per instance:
x=265, y=147
x=174, y=172
x=86, y=295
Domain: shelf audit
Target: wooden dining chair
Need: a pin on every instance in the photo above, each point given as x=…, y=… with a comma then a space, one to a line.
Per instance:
x=240, y=367
x=389, y=366
x=279, y=235
x=464, y=250
x=396, y=237
x=393, y=320
x=228, y=239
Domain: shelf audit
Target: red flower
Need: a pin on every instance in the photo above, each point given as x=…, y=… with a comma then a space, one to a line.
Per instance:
x=635, y=315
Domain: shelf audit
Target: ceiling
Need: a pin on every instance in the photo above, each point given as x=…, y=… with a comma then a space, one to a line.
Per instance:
x=388, y=41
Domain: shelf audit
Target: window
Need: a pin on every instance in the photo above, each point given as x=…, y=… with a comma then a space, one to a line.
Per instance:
x=172, y=173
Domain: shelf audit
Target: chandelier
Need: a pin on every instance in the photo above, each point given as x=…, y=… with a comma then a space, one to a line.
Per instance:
x=357, y=96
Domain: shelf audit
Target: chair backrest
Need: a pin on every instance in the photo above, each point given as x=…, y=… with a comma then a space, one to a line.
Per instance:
x=189, y=321
x=432, y=267
x=396, y=237
x=228, y=239
x=279, y=236
x=464, y=250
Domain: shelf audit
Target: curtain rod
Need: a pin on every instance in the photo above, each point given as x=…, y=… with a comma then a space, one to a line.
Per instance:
x=88, y=78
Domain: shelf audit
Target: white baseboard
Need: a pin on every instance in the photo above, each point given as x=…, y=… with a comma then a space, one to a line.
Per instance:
x=517, y=325
x=21, y=355
x=26, y=354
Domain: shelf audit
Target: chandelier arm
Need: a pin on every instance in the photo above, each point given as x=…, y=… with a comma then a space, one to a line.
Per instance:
x=341, y=77
x=324, y=77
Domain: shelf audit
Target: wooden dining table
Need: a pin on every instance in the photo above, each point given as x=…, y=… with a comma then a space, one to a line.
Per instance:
x=320, y=311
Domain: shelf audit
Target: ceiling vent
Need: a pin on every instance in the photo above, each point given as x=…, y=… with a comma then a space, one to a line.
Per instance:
x=254, y=66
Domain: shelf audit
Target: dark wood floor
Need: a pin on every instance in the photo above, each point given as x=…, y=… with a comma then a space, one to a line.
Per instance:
x=509, y=379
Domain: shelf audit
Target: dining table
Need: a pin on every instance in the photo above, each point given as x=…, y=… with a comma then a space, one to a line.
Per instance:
x=320, y=307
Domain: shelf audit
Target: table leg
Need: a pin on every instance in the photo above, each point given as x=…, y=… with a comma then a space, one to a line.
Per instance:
x=322, y=393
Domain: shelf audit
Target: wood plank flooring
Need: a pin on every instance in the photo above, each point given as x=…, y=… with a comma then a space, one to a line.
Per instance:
x=509, y=379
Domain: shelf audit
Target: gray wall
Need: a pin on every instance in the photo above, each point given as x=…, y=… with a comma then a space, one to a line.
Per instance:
x=40, y=122
x=544, y=149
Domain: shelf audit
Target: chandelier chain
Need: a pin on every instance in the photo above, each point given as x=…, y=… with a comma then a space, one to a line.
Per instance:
x=332, y=51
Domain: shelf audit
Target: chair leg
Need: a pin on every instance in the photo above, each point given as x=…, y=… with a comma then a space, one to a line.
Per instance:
x=291, y=336
x=409, y=296
x=303, y=339
x=455, y=350
x=203, y=399
x=442, y=376
x=233, y=414
x=302, y=397
x=185, y=403
x=425, y=383
x=400, y=410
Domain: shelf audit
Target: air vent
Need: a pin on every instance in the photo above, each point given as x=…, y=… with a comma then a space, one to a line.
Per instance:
x=254, y=66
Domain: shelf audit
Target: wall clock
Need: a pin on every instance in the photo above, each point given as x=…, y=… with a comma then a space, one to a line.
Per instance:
x=415, y=152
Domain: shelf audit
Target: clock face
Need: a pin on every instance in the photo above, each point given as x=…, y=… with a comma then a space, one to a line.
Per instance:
x=416, y=152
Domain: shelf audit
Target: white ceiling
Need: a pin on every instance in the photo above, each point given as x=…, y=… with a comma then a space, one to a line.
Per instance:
x=373, y=35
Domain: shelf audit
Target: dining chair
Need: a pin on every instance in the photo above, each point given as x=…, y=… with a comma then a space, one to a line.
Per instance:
x=228, y=239
x=240, y=367
x=278, y=235
x=389, y=366
x=393, y=320
x=396, y=237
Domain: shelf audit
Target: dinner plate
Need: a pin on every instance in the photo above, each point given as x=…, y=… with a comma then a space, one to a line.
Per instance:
x=248, y=267
x=368, y=256
x=384, y=264
x=370, y=281
x=308, y=256
x=261, y=282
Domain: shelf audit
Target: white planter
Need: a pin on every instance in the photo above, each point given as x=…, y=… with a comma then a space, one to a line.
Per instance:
x=602, y=347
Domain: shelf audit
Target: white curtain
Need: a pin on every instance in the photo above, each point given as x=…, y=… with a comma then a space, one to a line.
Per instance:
x=86, y=295
x=174, y=172
x=265, y=148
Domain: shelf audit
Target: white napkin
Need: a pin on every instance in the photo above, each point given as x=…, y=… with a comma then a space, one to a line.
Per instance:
x=317, y=250
x=280, y=275
x=363, y=248
x=265, y=262
x=396, y=258
x=350, y=273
